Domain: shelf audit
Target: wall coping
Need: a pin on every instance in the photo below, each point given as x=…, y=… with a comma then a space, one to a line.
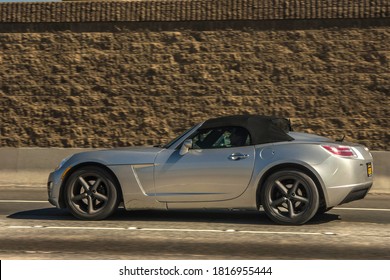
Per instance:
x=191, y=10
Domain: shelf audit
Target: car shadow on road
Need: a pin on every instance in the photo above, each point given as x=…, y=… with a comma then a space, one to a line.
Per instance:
x=191, y=216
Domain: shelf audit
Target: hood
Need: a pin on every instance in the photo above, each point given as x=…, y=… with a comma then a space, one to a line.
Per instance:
x=120, y=156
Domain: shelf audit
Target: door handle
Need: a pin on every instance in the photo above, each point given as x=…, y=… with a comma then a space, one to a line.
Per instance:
x=238, y=156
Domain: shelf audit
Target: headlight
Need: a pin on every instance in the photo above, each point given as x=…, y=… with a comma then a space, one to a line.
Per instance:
x=63, y=162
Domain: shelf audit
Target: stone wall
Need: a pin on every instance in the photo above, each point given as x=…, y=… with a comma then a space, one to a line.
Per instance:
x=129, y=73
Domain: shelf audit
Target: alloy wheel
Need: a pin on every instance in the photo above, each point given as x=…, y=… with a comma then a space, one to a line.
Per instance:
x=91, y=194
x=290, y=197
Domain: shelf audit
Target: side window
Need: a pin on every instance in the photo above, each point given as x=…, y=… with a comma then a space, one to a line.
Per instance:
x=221, y=137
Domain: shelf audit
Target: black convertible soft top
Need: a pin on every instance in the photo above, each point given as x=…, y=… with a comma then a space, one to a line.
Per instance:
x=262, y=129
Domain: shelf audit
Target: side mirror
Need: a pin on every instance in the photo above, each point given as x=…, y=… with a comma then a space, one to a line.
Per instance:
x=187, y=144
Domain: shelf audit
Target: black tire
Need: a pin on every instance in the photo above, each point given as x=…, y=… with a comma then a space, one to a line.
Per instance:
x=91, y=193
x=323, y=210
x=290, y=197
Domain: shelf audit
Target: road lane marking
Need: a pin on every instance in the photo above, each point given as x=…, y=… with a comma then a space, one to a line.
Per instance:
x=85, y=228
x=22, y=201
x=17, y=227
x=178, y=229
x=228, y=231
x=335, y=208
x=58, y=227
x=283, y=232
x=362, y=209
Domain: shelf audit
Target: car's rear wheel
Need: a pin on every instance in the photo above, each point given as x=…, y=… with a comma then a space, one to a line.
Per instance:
x=290, y=197
x=91, y=193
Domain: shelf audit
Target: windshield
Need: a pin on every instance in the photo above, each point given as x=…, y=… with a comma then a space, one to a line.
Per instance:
x=178, y=137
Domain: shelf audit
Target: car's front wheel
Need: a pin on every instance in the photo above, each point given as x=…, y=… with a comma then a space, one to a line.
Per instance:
x=91, y=193
x=290, y=197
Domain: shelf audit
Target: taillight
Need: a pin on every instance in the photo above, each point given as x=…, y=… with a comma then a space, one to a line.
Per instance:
x=342, y=151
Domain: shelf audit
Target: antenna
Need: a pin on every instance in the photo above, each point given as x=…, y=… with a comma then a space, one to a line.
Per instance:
x=341, y=140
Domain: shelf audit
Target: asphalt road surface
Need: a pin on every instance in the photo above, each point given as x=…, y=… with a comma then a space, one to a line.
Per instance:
x=30, y=228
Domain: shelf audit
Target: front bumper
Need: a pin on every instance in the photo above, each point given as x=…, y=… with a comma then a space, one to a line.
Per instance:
x=53, y=188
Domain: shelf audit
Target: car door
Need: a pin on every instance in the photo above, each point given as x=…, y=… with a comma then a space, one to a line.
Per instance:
x=213, y=169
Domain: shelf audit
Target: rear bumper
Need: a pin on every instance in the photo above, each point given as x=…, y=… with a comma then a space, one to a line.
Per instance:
x=345, y=179
x=357, y=193
x=344, y=194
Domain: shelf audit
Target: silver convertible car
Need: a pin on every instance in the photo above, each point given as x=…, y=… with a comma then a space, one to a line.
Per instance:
x=233, y=162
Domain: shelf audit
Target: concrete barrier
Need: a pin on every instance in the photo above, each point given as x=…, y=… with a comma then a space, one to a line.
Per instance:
x=31, y=166
x=381, y=172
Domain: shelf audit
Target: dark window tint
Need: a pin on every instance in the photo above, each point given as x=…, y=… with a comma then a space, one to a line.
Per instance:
x=221, y=137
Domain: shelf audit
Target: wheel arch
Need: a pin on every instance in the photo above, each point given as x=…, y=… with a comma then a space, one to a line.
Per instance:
x=295, y=166
x=61, y=199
